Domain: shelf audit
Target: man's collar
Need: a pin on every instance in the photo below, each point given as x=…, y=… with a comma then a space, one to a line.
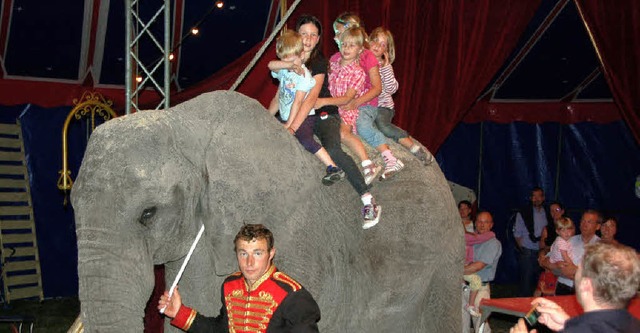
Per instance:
x=259, y=281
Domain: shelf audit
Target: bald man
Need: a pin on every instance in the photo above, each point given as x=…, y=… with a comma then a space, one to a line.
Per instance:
x=485, y=262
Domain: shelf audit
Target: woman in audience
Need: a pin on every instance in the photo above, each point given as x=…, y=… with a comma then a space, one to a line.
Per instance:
x=465, y=210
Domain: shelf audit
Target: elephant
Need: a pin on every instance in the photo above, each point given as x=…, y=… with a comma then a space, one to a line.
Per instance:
x=148, y=182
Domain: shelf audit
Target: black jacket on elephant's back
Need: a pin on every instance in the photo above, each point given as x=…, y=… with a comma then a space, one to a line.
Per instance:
x=276, y=303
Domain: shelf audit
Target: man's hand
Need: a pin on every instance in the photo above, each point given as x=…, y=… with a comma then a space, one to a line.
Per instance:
x=551, y=314
x=521, y=327
x=172, y=304
x=568, y=269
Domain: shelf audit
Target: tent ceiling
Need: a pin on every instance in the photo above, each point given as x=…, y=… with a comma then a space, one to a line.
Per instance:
x=44, y=41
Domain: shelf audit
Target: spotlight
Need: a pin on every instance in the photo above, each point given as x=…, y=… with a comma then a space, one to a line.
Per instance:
x=138, y=79
x=171, y=56
x=195, y=31
x=219, y=4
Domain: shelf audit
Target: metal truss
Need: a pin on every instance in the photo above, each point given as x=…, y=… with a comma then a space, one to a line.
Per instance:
x=139, y=74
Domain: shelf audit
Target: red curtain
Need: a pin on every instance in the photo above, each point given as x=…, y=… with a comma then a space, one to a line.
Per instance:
x=447, y=52
x=614, y=28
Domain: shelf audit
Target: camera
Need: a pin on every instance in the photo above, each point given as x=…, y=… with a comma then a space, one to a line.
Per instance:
x=532, y=316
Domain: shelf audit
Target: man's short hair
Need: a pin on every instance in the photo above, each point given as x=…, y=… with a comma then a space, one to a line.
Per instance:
x=289, y=43
x=537, y=189
x=594, y=212
x=614, y=271
x=249, y=232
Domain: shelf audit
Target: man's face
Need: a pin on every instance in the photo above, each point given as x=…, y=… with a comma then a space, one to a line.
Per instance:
x=537, y=198
x=484, y=222
x=254, y=258
x=589, y=224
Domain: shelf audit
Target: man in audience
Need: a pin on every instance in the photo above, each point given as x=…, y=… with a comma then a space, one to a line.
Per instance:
x=589, y=224
x=485, y=262
x=606, y=280
x=530, y=222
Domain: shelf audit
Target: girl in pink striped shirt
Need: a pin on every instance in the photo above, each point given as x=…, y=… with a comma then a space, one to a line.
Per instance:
x=383, y=48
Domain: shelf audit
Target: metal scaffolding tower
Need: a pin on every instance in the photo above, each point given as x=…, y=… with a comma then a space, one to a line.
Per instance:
x=138, y=74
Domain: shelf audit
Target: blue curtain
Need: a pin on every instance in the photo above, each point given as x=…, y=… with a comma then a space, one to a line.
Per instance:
x=583, y=165
x=55, y=226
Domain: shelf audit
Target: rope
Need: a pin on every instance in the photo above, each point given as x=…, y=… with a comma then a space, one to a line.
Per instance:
x=264, y=46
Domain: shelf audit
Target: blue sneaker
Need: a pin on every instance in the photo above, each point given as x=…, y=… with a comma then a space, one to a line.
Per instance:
x=334, y=175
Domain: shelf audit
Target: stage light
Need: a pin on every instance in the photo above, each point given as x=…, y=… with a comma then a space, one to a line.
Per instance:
x=220, y=4
x=171, y=56
x=194, y=31
x=138, y=79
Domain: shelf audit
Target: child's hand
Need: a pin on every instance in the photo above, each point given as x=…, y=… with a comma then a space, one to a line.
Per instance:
x=319, y=103
x=297, y=67
x=385, y=59
x=351, y=105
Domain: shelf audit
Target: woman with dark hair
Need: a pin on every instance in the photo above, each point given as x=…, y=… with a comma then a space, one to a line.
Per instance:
x=465, y=209
x=548, y=235
x=327, y=127
x=608, y=230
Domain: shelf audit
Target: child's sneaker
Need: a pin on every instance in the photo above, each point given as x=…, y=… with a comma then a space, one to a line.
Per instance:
x=424, y=156
x=391, y=169
x=371, y=215
x=334, y=175
x=472, y=310
x=370, y=172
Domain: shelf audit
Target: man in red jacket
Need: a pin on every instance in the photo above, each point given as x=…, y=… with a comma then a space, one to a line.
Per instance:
x=259, y=298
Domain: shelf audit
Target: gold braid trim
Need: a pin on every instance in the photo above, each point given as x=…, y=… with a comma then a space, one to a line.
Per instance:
x=282, y=277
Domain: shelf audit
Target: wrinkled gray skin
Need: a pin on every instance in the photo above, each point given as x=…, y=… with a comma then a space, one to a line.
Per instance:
x=150, y=179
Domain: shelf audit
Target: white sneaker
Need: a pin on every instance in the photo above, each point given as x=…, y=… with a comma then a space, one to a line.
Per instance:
x=370, y=172
x=371, y=215
x=391, y=169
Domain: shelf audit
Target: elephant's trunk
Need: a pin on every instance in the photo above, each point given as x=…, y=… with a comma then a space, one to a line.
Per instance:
x=115, y=280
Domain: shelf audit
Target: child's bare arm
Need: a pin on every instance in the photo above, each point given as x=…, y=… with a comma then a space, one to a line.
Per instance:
x=274, y=105
x=295, y=107
x=276, y=65
x=340, y=100
x=373, y=92
x=308, y=102
x=565, y=257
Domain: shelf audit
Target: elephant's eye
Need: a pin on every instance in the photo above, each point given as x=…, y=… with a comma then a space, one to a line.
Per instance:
x=147, y=215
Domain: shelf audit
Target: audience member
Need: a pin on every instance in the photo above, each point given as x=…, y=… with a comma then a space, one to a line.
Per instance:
x=527, y=230
x=589, y=223
x=606, y=280
x=291, y=308
x=465, y=210
x=608, y=230
x=474, y=280
x=548, y=236
x=485, y=262
x=547, y=281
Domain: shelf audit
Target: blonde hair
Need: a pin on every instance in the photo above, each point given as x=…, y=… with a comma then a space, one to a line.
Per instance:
x=564, y=223
x=348, y=20
x=356, y=35
x=391, y=46
x=290, y=42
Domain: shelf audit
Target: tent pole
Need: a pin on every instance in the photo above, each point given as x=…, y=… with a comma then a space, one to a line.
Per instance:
x=480, y=163
x=557, y=191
